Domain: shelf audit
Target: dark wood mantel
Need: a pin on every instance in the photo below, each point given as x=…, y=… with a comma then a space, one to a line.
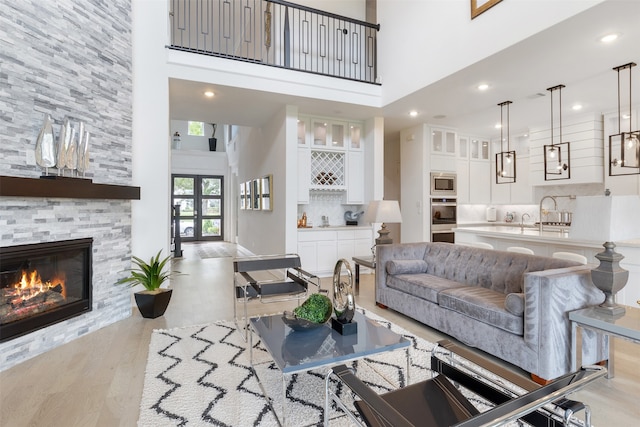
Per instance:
x=64, y=187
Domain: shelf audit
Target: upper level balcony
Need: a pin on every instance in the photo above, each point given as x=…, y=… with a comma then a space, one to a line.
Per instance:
x=276, y=33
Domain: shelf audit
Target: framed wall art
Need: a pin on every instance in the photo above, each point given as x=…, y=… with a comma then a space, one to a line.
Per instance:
x=480, y=6
x=248, y=193
x=266, y=189
x=242, y=196
x=255, y=195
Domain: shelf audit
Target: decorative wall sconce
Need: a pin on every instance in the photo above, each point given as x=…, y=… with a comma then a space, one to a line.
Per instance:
x=624, y=147
x=557, y=157
x=505, y=160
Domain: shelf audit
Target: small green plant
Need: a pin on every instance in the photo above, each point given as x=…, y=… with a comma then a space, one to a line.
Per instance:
x=317, y=308
x=151, y=275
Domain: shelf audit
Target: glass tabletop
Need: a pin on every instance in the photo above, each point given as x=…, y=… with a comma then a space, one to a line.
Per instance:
x=626, y=325
x=295, y=351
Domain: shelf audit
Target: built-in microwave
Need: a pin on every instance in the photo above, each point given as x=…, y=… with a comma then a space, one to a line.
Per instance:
x=443, y=184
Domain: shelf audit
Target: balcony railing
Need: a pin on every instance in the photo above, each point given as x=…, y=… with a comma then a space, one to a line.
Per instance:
x=278, y=34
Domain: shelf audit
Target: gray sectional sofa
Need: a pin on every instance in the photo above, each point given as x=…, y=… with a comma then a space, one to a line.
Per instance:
x=511, y=305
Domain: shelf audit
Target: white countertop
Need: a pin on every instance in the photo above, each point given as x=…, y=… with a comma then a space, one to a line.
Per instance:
x=535, y=235
x=336, y=227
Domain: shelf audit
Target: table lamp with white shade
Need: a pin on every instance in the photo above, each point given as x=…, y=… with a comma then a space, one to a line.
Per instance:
x=385, y=212
x=607, y=219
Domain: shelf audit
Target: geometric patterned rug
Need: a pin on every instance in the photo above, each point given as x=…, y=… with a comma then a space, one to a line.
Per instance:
x=201, y=376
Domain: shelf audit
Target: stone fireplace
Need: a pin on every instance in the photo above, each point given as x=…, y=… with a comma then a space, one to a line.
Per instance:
x=42, y=284
x=86, y=77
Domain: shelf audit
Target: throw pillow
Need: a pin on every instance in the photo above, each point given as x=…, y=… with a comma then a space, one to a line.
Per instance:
x=406, y=266
x=514, y=303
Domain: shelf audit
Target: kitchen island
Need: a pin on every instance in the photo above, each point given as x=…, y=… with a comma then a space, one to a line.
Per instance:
x=546, y=242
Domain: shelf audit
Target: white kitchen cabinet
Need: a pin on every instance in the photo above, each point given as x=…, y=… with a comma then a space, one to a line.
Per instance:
x=320, y=249
x=355, y=178
x=479, y=181
x=327, y=256
x=334, y=161
x=308, y=252
x=443, y=141
x=355, y=136
x=303, y=132
x=304, y=175
x=463, y=180
x=479, y=149
x=463, y=147
x=329, y=134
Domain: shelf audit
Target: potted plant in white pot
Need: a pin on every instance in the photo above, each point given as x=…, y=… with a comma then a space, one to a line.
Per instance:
x=154, y=300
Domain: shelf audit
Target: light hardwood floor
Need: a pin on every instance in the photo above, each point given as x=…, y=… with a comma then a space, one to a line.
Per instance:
x=97, y=380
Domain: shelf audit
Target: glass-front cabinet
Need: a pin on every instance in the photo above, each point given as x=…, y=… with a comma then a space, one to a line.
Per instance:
x=443, y=141
x=479, y=149
x=320, y=134
x=332, y=157
x=355, y=140
x=330, y=135
x=303, y=125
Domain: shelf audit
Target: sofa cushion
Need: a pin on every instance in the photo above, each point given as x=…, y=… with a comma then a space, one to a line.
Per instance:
x=514, y=303
x=406, y=266
x=424, y=286
x=482, y=304
x=499, y=271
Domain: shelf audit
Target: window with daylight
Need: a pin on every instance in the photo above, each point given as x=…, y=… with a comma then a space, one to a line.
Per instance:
x=196, y=129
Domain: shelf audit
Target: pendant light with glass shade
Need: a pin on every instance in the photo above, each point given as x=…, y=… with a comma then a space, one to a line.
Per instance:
x=557, y=156
x=505, y=160
x=624, y=147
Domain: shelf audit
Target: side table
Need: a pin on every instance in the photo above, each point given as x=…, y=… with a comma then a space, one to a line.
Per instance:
x=626, y=326
x=366, y=260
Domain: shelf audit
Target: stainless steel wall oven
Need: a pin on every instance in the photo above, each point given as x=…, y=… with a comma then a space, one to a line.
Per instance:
x=443, y=219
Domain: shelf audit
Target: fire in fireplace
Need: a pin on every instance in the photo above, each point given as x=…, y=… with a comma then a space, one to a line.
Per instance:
x=42, y=284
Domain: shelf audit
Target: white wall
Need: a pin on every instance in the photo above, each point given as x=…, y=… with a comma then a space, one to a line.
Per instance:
x=189, y=142
x=422, y=41
x=151, y=144
x=392, y=181
x=351, y=8
x=262, y=153
x=415, y=192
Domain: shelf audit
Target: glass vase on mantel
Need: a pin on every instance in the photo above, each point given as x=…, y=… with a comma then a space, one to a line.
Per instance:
x=64, y=138
x=45, y=152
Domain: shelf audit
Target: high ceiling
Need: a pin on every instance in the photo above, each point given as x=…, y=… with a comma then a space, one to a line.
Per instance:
x=569, y=53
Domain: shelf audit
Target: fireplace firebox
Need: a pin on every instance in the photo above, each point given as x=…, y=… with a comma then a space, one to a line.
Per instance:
x=42, y=284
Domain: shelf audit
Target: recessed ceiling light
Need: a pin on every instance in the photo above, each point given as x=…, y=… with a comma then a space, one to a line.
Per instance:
x=413, y=113
x=209, y=94
x=577, y=107
x=626, y=116
x=608, y=38
x=483, y=86
x=498, y=125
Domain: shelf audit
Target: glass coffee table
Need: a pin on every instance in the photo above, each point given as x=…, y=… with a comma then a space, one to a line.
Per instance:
x=301, y=351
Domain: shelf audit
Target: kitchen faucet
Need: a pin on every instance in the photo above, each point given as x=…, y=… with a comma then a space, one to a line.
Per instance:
x=522, y=220
x=555, y=207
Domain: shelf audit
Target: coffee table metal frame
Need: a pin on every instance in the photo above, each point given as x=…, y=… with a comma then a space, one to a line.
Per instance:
x=371, y=339
x=365, y=260
x=626, y=326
